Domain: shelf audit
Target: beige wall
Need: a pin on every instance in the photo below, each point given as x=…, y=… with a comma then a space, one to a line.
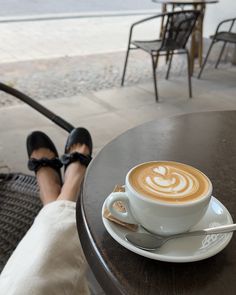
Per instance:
x=216, y=12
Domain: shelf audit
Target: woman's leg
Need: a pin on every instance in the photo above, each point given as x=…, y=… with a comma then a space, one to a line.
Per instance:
x=48, y=179
x=49, y=260
x=74, y=175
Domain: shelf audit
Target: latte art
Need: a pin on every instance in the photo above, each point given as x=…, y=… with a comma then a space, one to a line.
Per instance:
x=169, y=181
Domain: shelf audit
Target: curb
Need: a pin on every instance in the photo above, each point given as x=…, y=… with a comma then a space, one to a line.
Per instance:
x=46, y=17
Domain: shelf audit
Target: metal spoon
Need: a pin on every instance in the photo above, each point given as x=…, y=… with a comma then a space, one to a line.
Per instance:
x=151, y=242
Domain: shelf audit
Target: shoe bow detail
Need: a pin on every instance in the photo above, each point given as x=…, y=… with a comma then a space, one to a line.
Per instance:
x=36, y=164
x=66, y=159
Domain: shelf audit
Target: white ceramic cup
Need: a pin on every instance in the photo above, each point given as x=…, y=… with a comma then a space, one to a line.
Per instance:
x=157, y=216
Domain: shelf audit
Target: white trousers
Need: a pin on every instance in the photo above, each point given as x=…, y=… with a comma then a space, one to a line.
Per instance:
x=49, y=259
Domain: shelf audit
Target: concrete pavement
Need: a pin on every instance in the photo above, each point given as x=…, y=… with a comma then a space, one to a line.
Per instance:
x=64, y=57
x=42, y=7
x=46, y=39
x=108, y=113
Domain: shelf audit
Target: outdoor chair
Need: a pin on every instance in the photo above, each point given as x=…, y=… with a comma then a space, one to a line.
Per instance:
x=221, y=36
x=178, y=27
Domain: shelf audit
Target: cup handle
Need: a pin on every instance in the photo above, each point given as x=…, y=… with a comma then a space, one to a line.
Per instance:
x=122, y=216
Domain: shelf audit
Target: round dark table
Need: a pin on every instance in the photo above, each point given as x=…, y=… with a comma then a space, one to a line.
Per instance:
x=205, y=140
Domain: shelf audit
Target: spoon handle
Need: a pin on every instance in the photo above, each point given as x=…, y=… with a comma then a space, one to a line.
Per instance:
x=220, y=229
x=207, y=231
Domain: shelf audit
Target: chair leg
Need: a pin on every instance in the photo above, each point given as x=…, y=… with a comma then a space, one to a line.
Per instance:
x=154, y=65
x=205, y=60
x=189, y=74
x=169, y=66
x=221, y=52
x=125, y=66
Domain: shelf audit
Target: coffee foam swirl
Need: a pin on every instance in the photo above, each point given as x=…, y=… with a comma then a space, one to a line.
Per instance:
x=169, y=181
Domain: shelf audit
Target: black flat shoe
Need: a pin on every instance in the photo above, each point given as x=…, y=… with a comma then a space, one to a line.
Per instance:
x=36, y=140
x=82, y=136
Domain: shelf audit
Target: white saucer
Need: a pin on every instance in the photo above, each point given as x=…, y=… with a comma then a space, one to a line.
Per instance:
x=183, y=249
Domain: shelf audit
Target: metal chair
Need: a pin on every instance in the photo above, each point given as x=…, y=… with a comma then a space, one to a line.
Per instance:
x=178, y=26
x=221, y=36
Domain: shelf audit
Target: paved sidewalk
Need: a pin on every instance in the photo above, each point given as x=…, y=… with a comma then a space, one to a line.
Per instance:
x=42, y=7
x=70, y=76
x=61, y=58
x=108, y=113
x=46, y=39
x=77, y=63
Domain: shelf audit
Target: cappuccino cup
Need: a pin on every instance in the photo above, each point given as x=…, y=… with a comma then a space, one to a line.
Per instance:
x=164, y=197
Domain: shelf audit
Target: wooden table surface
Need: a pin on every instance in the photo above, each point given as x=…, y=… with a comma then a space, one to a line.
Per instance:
x=206, y=141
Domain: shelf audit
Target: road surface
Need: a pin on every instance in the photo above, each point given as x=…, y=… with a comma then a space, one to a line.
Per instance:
x=40, y=7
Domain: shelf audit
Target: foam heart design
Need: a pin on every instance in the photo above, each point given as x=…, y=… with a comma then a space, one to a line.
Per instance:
x=160, y=170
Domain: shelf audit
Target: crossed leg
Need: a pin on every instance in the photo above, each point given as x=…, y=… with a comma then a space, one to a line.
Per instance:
x=49, y=180
x=49, y=259
x=74, y=175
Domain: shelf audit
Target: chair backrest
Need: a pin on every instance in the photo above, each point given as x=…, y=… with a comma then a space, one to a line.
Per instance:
x=177, y=29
